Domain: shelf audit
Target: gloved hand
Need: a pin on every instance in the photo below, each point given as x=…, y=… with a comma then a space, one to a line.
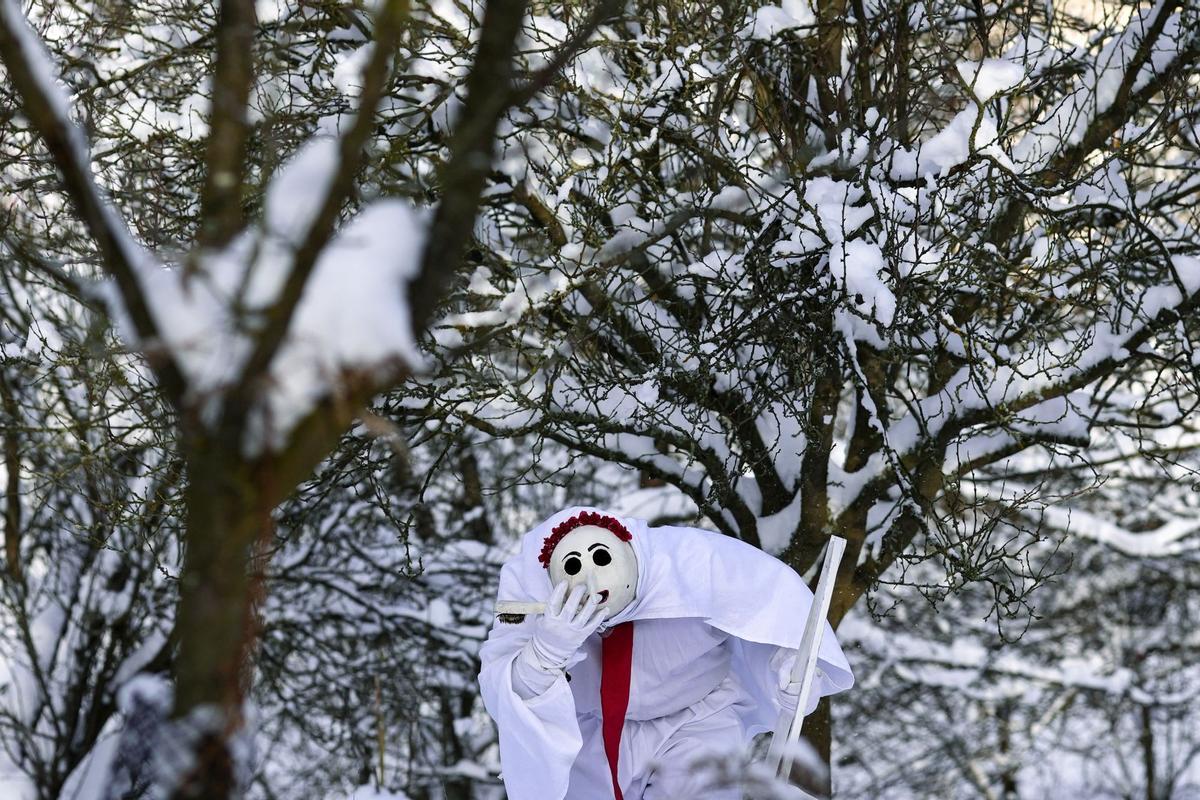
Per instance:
x=557, y=635
x=789, y=690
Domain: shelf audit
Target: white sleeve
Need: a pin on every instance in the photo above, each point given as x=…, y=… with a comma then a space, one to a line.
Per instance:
x=539, y=737
x=529, y=678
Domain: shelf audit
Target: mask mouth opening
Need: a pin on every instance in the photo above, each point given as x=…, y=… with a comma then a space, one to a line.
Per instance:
x=603, y=596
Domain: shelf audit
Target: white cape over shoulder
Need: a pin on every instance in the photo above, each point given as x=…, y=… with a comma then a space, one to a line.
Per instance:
x=682, y=572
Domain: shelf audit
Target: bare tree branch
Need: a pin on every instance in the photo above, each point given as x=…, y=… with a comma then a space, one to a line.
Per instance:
x=389, y=25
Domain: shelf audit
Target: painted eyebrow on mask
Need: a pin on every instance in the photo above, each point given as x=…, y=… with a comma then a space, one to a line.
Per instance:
x=597, y=544
x=571, y=553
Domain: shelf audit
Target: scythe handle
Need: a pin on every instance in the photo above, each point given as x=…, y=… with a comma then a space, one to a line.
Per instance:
x=787, y=730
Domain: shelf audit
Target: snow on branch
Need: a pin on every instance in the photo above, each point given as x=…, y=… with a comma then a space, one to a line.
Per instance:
x=1029, y=385
x=1177, y=537
x=310, y=229
x=283, y=311
x=1154, y=39
x=769, y=21
x=352, y=314
x=962, y=661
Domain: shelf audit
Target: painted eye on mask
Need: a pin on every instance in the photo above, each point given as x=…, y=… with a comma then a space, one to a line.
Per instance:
x=601, y=557
x=572, y=565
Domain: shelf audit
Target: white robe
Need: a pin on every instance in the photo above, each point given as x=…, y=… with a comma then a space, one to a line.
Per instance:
x=709, y=613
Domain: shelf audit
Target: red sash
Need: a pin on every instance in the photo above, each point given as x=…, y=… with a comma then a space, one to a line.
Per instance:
x=616, y=660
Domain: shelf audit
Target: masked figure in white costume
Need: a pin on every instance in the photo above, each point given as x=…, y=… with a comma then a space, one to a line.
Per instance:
x=658, y=647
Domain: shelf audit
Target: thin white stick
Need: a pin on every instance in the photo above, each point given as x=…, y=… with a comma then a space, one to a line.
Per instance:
x=787, y=730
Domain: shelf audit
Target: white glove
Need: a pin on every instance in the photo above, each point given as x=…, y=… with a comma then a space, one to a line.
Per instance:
x=789, y=690
x=557, y=635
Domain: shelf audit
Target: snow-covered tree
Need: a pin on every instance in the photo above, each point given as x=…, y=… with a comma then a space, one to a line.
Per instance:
x=920, y=275
x=91, y=541
x=859, y=269
x=266, y=320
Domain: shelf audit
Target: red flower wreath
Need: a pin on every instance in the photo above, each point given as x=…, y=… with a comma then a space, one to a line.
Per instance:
x=578, y=521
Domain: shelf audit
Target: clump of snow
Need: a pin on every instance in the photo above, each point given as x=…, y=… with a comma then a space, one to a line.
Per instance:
x=838, y=205
x=731, y=198
x=918, y=256
x=769, y=21
x=712, y=265
x=1187, y=269
x=297, y=190
x=991, y=76
x=144, y=688
x=347, y=75
x=581, y=158
x=1105, y=186
x=481, y=283
x=970, y=131
x=857, y=264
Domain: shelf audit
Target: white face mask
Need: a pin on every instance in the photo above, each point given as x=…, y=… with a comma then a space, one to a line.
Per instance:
x=598, y=559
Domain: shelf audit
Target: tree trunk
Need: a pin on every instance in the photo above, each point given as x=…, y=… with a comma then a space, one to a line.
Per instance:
x=215, y=628
x=1146, y=740
x=455, y=787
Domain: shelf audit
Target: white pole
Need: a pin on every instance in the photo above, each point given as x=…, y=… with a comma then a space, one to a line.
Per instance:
x=517, y=607
x=787, y=730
